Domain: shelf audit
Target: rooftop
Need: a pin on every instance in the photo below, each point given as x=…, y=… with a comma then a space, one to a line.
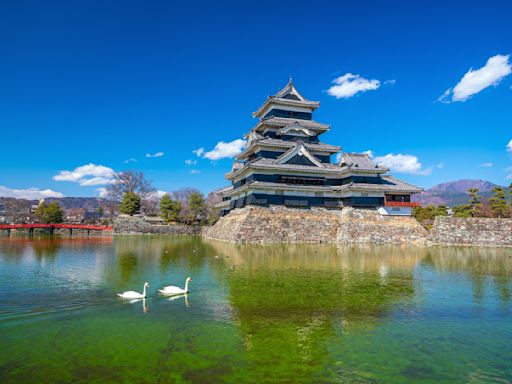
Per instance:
x=360, y=161
x=389, y=184
x=281, y=122
x=258, y=142
x=287, y=96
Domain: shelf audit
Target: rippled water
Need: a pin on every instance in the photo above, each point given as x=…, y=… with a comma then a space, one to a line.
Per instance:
x=255, y=314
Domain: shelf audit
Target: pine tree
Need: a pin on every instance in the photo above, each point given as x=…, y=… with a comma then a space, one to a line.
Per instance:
x=475, y=201
x=498, y=203
x=441, y=210
x=50, y=214
x=197, y=207
x=169, y=208
x=130, y=204
x=510, y=195
x=464, y=210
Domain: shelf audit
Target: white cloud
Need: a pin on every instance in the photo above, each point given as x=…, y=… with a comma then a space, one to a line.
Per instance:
x=96, y=181
x=369, y=153
x=225, y=150
x=190, y=162
x=509, y=171
x=199, y=151
x=349, y=85
x=130, y=160
x=195, y=171
x=486, y=165
x=440, y=165
x=390, y=82
x=30, y=194
x=476, y=80
x=87, y=175
x=403, y=164
x=102, y=192
x=157, y=154
x=509, y=146
x=159, y=194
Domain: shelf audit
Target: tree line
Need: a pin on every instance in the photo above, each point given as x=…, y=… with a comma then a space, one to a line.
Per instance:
x=496, y=206
x=137, y=195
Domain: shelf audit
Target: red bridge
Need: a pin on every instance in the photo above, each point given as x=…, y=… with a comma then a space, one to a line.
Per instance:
x=51, y=227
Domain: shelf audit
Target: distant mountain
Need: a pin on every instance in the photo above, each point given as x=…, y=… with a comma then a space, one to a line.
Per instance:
x=87, y=203
x=11, y=204
x=454, y=192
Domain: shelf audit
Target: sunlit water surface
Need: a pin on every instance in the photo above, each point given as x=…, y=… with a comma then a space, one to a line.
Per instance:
x=255, y=314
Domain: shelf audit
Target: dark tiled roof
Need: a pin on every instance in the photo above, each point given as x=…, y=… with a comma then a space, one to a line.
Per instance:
x=389, y=184
x=285, y=121
x=360, y=161
x=288, y=144
x=271, y=163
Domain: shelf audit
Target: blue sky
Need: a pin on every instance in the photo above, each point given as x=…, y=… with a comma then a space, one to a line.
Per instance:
x=96, y=84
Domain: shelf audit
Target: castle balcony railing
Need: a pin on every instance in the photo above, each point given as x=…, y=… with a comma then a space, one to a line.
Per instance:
x=401, y=204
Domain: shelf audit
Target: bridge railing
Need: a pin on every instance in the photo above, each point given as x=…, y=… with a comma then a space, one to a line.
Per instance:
x=60, y=226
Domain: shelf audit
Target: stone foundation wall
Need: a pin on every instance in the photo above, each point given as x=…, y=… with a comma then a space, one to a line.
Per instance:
x=471, y=231
x=275, y=224
x=369, y=226
x=278, y=224
x=133, y=225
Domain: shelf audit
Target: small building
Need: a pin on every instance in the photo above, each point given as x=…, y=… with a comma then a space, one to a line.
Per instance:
x=154, y=220
x=33, y=207
x=285, y=163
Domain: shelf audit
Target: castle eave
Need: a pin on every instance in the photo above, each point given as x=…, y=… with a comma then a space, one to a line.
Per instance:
x=281, y=122
x=311, y=105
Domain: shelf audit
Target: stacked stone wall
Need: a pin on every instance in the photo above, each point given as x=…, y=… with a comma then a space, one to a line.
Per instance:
x=369, y=226
x=471, y=231
x=278, y=224
x=133, y=225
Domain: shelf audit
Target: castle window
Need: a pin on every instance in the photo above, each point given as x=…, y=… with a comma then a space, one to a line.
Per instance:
x=300, y=180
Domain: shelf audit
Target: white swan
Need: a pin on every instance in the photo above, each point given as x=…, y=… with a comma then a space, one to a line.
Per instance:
x=173, y=290
x=133, y=294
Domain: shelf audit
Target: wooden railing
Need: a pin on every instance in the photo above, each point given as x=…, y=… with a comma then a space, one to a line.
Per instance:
x=401, y=204
x=60, y=225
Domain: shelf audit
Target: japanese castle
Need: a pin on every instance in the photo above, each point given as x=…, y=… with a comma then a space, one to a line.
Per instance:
x=285, y=163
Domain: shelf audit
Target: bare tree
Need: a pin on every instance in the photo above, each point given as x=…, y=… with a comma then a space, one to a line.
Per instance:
x=151, y=205
x=212, y=211
x=130, y=181
x=182, y=195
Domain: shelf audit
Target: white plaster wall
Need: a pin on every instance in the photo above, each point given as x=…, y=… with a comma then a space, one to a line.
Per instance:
x=395, y=211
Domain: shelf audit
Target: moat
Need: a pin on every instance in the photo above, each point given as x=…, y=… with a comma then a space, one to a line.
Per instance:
x=255, y=314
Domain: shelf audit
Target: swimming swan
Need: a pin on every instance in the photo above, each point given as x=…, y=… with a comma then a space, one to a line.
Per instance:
x=173, y=290
x=133, y=294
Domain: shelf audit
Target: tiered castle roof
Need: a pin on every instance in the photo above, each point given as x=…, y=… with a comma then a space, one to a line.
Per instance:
x=286, y=97
x=285, y=142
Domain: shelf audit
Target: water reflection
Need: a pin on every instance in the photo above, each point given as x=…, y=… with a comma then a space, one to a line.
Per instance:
x=291, y=302
x=14, y=249
x=176, y=297
x=128, y=261
x=140, y=254
x=145, y=307
x=281, y=313
x=484, y=267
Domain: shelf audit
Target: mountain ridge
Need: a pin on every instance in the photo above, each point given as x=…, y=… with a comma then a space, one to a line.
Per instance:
x=454, y=192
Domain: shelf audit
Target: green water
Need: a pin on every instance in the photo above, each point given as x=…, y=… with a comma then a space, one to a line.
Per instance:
x=255, y=314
